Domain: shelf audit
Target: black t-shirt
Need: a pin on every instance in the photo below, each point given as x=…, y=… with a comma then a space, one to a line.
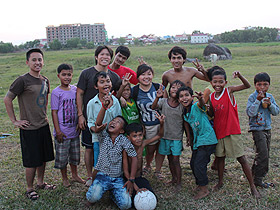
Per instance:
x=86, y=84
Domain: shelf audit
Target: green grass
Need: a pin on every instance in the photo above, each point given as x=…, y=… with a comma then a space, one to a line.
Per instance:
x=247, y=58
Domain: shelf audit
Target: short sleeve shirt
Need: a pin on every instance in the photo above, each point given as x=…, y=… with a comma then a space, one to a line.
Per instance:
x=86, y=84
x=32, y=93
x=64, y=101
x=122, y=71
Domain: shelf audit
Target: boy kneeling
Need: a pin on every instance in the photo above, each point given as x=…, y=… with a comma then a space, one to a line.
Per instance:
x=112, y=142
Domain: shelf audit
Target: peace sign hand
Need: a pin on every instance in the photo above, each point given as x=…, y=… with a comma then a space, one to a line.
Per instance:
x=198, y=66
x=126, y=79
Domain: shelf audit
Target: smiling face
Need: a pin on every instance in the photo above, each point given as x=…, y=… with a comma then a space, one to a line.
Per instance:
x=116, y=125
x=103, y=58
x=146, y=78
x=126, y=92
x=173, y=90
x=136, y=138
x=218, y=83
x=65, y=77
x=104, y=85
x=177, y=61
x=119, y=59
x=35, y=62
x=185, y=98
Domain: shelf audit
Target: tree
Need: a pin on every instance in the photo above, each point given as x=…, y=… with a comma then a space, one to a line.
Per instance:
x=197, y=32
x=90, y=45
x=121, y=41
x=6, y=47
x=72, y=43
x=55, y=45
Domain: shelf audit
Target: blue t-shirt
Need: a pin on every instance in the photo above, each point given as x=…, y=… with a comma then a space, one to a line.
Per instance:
x=144, y=103
x=202, y=130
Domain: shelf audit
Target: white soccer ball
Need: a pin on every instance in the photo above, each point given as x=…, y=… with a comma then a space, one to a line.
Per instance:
x=145, y=200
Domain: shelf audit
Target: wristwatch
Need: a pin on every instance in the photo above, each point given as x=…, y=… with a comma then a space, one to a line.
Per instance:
x=131, y=180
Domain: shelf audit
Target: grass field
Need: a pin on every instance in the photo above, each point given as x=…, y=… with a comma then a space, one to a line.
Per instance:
x=249, y=59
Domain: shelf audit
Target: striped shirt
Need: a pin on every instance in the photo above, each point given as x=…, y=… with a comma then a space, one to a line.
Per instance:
x=110, y=155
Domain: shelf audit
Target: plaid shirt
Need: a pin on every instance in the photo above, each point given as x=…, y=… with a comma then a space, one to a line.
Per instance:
x=110, y=155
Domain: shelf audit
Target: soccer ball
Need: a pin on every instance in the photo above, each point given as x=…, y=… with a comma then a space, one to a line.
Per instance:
x=145, y=200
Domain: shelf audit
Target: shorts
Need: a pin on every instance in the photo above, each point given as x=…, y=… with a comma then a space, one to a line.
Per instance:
x=230, y=146
x=151, y=131
x=170, y=147
x=36, y=147
x=67, y=151
x=95, y=152
x=87, y=138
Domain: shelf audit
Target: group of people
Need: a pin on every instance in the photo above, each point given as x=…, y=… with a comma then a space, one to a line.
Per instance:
x=124, y=116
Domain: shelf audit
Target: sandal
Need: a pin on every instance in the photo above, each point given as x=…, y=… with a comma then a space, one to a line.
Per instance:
x=265, y=185
x=159, y=175
x=32, y=195
x=146, y=170
x=46, y=186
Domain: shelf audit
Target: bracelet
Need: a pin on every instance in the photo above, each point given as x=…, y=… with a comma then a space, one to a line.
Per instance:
x=131, y=180
x=80, y=115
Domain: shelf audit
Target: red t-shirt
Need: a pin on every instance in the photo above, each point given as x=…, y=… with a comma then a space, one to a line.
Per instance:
x=122, y=71
x=226, y=121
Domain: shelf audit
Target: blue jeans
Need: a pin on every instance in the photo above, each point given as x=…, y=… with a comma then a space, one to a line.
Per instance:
x=103, y=183
x=199, y=161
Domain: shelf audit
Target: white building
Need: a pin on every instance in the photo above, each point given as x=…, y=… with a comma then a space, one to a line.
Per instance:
x=199, y=38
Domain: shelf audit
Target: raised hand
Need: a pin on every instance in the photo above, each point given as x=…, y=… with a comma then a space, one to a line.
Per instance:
x=236, y=74
x=198, y=95
x=108, y=100
x=99, y=128
x=141, y=61
x=198, y=66
x=161, y=117
x=160, y=91
x=126, y=79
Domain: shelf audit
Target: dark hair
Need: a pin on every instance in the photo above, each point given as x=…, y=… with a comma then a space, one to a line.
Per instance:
x=177, y=50
x=123, y=50
x=178, y=82
x=28, y=53
x=184, y=88
x=64, y=66
x=100, y=74
x=100, y=48
x=134, y=127
x=218, y=71
x=124, y=122
x=143, y=68
x=211, y=70
x=262, y=77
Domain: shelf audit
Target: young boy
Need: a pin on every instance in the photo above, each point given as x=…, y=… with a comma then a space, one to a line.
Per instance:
x=261, y=105
x=177, y=57
x=122, y=53
x=135, y=133
x=65, y=121
x=103, y=84
x=109, y=164
x=204, y=138
x=226, y=125
x=32, y=90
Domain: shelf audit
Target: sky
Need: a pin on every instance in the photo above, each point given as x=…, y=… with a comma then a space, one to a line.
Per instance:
x=23, y=21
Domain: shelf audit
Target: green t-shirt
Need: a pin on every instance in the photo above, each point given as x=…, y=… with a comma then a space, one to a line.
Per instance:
x=131, y=113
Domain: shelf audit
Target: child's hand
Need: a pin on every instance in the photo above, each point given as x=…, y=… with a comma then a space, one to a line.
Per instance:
x=266, y=102
x=141, y=190
x=99, y=128
x=260, y=95
x=60, y=136
x=236, y=74
x=108, y=100
x=129, y=187
x=199, y=66
x=161, y=117
x=123, y=102
x=141, y=61
x=126, y=79
x=198, y=95
x=160, y=91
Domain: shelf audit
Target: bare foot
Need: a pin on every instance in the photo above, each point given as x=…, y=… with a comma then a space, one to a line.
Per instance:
x=88, y=204
x=218, y=186
x=255, y=193
x=78, y=179
x=195, y=190
x=201, y=194
x=178, y=188
x=172, y=182
x=66, y=183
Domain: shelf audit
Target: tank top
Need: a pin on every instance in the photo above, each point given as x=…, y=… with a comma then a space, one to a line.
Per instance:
x=226, y=121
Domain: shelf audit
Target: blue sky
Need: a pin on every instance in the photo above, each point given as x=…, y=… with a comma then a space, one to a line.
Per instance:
x=23, y=21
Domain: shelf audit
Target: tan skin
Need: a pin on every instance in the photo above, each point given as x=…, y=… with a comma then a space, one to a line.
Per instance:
x=137, y=139
x=218, y=83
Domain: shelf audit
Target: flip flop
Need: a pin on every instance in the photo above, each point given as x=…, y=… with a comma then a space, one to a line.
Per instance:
x=265, y=185
x=46, y=186
x=146, y=170
x=32, y=195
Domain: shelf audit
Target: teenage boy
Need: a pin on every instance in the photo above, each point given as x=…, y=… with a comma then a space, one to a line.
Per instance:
x=32, y=90
x=177, y=57
x=122, y=53
x=85, y=92
x=261, y=105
